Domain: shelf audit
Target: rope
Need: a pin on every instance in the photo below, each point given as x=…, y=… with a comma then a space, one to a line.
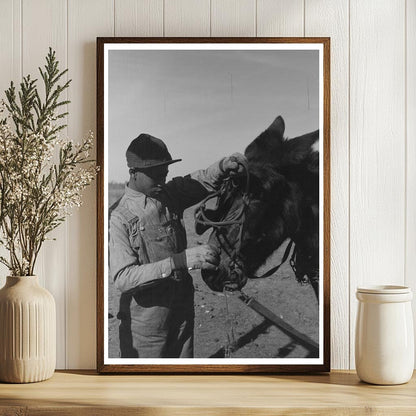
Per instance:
x=226, y=187
x=284, y=258
x=201, y=218
x=230, y=333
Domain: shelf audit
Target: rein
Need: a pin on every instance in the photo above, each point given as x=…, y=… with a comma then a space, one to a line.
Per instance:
x=227, y=186
x=201, y=218
x=284, y=258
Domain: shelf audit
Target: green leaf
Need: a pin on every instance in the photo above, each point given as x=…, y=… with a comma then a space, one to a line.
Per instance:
x=35, y=203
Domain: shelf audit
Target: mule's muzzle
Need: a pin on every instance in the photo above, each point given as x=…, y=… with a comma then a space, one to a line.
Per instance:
x=229, y=277
x=236, y=280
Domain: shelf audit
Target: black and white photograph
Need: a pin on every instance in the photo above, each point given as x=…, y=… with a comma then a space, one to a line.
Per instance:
x=214, y=250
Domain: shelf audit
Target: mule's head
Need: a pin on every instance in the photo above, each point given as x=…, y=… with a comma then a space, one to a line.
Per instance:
x=273, y=210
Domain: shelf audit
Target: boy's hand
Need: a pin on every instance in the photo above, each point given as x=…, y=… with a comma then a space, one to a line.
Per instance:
x=234, y=164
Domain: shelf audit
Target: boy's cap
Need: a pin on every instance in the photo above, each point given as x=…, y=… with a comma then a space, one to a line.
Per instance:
x=147, y=151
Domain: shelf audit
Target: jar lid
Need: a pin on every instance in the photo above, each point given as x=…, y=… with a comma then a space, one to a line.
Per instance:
x=384, y=289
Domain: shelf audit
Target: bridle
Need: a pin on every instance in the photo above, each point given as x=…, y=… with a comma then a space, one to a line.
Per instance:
x=233, y=250
x=228, y=186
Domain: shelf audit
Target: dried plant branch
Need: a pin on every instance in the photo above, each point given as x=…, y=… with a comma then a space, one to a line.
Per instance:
x=36, y=193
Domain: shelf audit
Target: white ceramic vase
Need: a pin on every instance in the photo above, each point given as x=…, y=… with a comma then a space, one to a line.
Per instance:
x=384, y=341
x=27, y=331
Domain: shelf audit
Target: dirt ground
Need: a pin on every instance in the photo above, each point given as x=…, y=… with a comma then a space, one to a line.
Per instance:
x=254, y=336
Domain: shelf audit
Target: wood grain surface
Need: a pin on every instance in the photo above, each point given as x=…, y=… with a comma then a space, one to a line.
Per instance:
x=187, y=18
x=377, y=139
x=138, y=18
x=85, y=19
x=233, y=18
x=280, y=18
x=51, y=264
x=410, y=260
x=330, y=18
x=339, y=393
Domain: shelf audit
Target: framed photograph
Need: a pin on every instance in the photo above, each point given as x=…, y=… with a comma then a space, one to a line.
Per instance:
x=213, y=205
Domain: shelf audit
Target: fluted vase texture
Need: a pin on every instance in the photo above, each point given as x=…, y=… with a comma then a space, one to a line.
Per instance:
x=27, y=331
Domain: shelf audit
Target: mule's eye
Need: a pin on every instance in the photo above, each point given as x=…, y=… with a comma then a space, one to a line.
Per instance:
x=262, y=237
x=254, y=203
x=248, y=241
x=256, y=193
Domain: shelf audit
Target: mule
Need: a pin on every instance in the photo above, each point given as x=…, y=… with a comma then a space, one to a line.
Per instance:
x=278, y=202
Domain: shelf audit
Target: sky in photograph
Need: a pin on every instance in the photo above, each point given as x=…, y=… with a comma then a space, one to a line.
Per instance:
x=206, y=104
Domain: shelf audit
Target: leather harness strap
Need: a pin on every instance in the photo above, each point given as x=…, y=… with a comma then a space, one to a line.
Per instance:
x=284, y=258
x=202, y=218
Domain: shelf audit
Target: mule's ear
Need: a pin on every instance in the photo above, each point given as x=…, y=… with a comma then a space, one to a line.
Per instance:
x=278, y=126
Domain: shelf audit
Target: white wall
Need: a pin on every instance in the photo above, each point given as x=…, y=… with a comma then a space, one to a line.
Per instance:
x=373, y=132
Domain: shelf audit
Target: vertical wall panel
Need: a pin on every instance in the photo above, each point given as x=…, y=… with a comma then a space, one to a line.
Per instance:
x=233, y=18
x=280, y=18
x=411, y=150
x=6, y=45
x=44, y=24
x=377, y=153
x=86, y=21
x=10, y=66
x=187, y=18
x=10, y=44
x=138, y=18
x=331, y=18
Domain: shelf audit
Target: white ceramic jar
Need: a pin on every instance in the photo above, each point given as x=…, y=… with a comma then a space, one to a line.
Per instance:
x=384, y=338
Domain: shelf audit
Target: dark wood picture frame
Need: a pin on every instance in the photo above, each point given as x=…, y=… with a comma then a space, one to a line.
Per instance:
x=102, y=234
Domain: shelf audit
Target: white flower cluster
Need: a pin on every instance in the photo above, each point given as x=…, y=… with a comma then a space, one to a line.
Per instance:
x=41, y=178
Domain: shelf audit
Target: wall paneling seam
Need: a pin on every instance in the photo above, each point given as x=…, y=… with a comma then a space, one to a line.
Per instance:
x=349, y=186
x=405, y=146
x=66, y=222
x=304, y=17
x=210, y=18
x=21, y=40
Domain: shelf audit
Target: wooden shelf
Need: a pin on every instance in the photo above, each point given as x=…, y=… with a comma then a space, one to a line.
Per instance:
x=86, y=393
